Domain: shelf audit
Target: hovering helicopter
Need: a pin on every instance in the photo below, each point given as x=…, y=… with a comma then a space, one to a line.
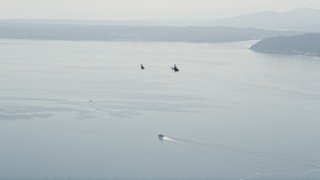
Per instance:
x=174, y=68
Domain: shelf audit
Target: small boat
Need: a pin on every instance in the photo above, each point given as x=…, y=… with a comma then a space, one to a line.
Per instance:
x=161, y=136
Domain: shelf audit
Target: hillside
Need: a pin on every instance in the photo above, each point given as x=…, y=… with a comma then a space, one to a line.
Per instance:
x=308, y=44
x=302, y=19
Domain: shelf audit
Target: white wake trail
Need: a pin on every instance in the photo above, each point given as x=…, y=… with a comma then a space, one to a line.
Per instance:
x=169, y=139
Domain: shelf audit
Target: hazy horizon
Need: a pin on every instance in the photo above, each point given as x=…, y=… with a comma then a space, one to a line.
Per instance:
x=142, y=9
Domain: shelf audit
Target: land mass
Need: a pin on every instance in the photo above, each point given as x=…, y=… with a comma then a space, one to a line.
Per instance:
x=307, y=44
x=82, y=32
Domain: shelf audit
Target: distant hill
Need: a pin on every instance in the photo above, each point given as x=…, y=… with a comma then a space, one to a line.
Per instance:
x=307, y=44
x=303, y=19
x=84, y=32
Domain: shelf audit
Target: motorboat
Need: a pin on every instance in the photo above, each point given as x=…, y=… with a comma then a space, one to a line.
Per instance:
x=161, y=136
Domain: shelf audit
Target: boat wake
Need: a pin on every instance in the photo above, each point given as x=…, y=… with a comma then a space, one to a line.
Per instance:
x=267, y=155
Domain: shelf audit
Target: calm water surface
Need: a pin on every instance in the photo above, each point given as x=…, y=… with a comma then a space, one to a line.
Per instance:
x=228, y=114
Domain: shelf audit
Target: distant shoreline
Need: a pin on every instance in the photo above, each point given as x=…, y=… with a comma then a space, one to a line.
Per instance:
x=70, y=32
x=287, y=53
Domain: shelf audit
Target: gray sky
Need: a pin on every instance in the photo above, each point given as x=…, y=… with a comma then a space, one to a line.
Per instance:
x=143, y=9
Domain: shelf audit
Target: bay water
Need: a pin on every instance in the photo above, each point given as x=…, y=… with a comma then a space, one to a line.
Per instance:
x=85, y=110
